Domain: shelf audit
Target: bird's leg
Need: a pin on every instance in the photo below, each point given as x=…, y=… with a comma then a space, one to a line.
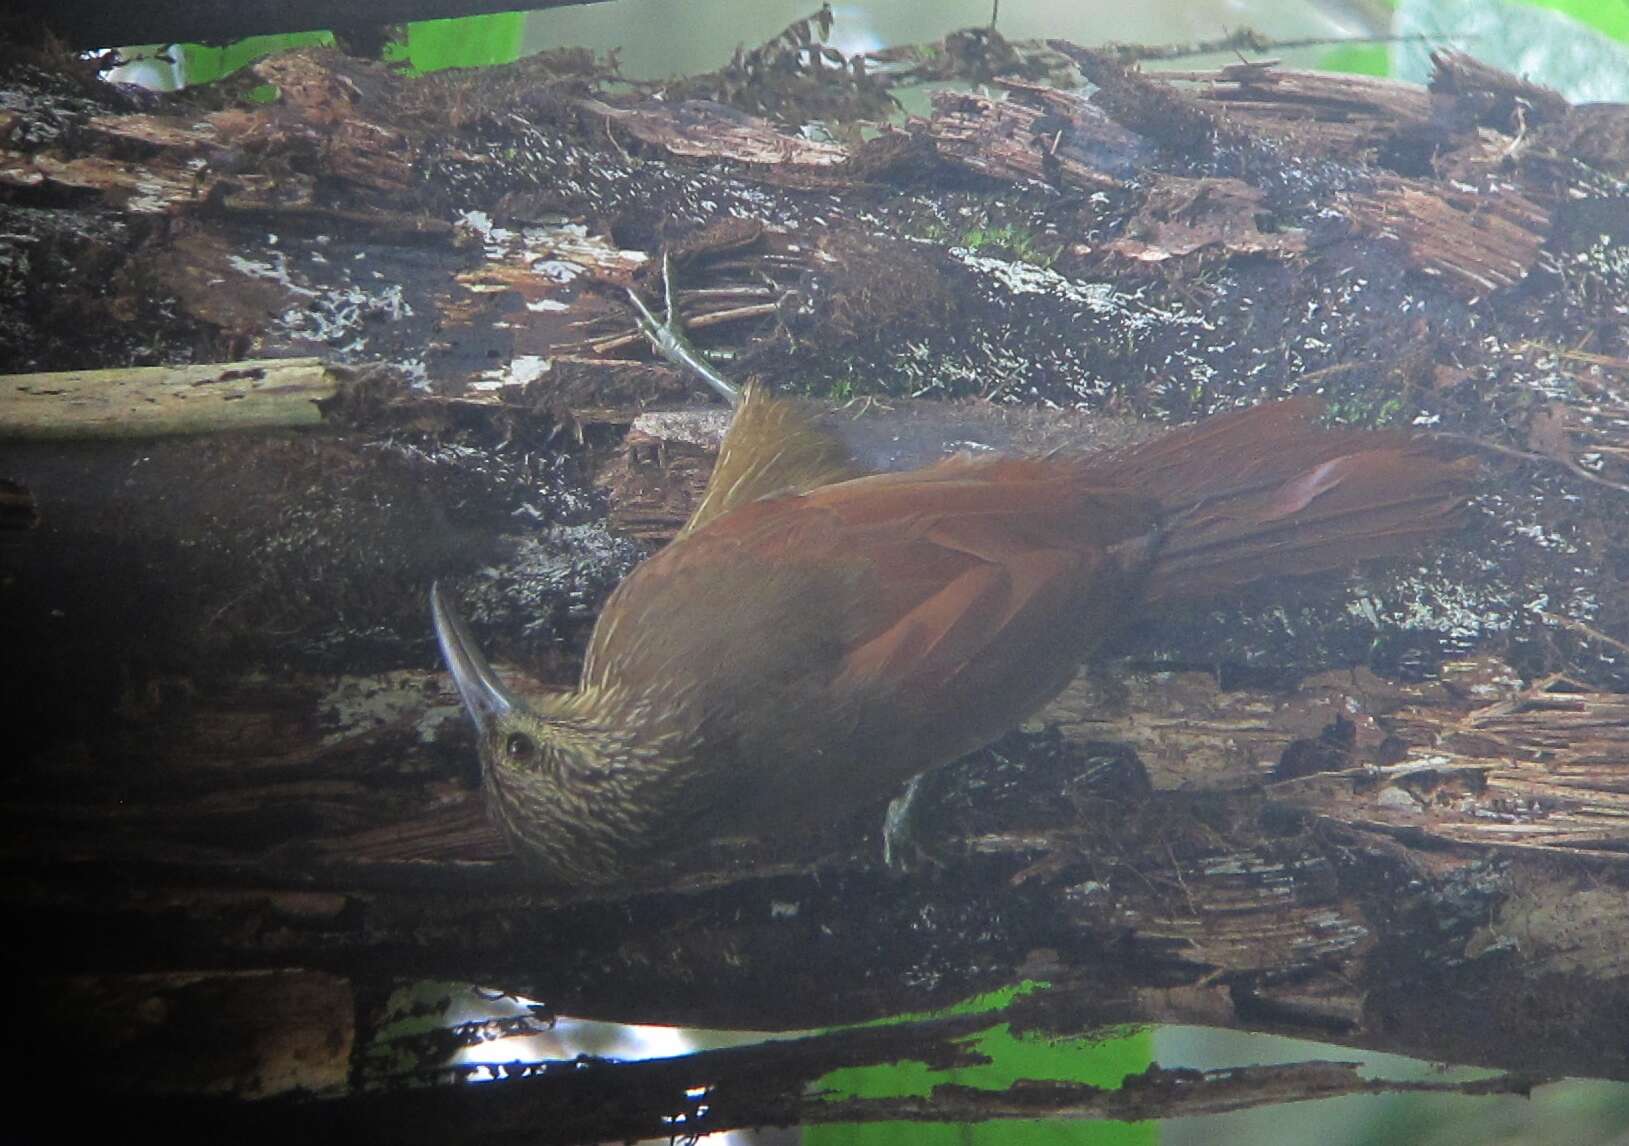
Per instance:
x=901, y=850
x=667, y=337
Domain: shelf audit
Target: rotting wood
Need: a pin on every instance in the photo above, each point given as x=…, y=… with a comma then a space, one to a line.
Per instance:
x=706, y=130
x=1040, y=134
x=401, y=875
x=156, y=400
x=248, y=1034
x=1478, y=247
x=132, y=187
x=1479, y=243
x=211, y=798
x=1501, y=96
x=1546, y=770
x=1170, y=117
x=1325, y=113
x=1183, y=216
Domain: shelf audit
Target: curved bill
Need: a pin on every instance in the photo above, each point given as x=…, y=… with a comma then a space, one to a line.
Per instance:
x=483, y=693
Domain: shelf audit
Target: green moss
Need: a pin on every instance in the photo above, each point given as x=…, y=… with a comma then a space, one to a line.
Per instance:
x=1019, y=242
x=1363, y=409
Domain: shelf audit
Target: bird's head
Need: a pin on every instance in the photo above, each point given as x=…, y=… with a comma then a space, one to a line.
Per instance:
x=564, y=786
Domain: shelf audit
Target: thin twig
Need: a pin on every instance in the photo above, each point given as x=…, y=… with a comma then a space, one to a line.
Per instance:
x=717, y=317
x=1529, y=456
x=1580, y=627
x=1246, y=40
x=1325, y=372
x=1606, y=361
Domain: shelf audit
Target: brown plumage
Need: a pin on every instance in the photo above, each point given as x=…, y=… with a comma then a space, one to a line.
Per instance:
x=808, y=644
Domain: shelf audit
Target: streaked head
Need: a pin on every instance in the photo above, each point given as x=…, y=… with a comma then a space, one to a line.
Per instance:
x=563, y=788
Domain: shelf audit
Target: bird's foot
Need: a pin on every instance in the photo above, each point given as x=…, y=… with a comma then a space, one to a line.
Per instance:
x=668, y=339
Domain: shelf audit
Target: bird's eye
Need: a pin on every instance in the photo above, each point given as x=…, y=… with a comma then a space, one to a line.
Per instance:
x=520, y=748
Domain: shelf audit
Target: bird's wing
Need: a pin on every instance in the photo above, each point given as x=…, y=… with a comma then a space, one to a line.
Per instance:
x=898, y=585
x=990, y=573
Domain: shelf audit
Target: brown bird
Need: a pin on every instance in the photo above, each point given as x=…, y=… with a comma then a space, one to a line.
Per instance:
x=814, y=639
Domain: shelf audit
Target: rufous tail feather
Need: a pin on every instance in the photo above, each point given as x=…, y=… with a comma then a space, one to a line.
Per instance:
x=1268, y=492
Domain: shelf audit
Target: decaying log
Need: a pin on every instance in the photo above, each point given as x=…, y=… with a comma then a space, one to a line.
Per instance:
x=1480, y=243
x=1479, y=249
x=1547, y=770
x=1156, y=111
x=707, y=130
x=1324, y=113
x=1203, y=903
x=776, y=1084
x=247, y=1034
x=148, y=401
x=1365, y=811
x=1498, y=93
x=1025, y=139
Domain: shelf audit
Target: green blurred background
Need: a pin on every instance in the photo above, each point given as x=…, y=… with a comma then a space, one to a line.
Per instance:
x=1580, y=47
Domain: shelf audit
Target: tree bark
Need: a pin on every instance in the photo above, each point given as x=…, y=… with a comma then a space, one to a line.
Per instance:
x=1384, y=811
x=149, y=401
